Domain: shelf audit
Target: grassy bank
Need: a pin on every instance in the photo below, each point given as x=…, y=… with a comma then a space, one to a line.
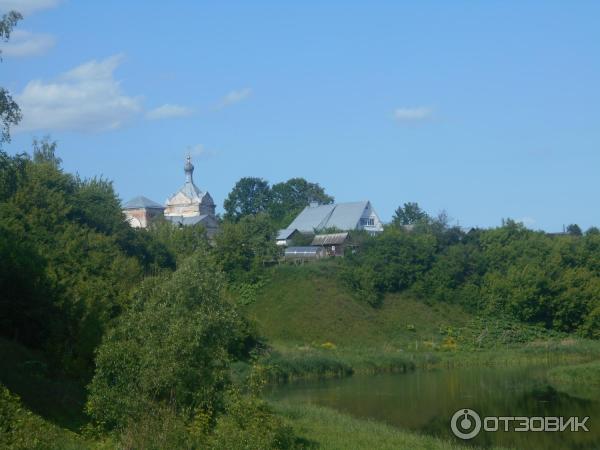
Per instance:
x=288, y=363
x=579, y=380
x=285, y=363
x=327, y=429
x=315, y=327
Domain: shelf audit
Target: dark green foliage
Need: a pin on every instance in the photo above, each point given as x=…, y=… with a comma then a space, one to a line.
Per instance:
x=69, y=258
x=509, y=270
x=282, y=202
x=250, y=424
x=592, y=231
x=249, y=196
x=591, y=326
x=12, y=173
x=574, y=230
x=409, y=214
x=242, y=248
x=169, y=347
x=22, y=430
x=10, y=114
x=26, y=302
x=41, y=388
x=180, y=242
x=391, y=262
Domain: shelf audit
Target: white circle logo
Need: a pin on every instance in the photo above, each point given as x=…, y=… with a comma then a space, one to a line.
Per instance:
x=465, y=424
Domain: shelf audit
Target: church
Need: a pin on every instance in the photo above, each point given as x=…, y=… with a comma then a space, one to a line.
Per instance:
x=188, y=206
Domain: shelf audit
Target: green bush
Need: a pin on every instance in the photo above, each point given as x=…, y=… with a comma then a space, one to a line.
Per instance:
x=170, y=347
x=20, y=429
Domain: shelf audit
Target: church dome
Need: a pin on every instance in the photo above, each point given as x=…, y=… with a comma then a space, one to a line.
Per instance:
x=188, y=167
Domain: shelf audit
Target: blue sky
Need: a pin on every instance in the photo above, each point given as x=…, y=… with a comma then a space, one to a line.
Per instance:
x=486, y=110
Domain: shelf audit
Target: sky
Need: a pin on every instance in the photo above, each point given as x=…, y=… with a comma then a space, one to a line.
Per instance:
x=485, y=110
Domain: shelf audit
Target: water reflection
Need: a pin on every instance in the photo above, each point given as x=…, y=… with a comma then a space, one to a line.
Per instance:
x=426, y=400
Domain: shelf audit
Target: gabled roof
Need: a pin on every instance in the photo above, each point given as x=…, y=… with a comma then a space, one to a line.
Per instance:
x=312, y=217
x=285, y=233
x=140, y=202
x=191, y=192
x=343, y=216
x=330, y=239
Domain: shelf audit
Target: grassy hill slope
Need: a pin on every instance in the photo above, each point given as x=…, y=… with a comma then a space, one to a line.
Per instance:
x=310, y=305
x=315, y=326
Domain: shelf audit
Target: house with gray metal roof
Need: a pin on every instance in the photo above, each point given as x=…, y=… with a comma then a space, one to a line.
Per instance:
x=284, y=237
x=341, y=216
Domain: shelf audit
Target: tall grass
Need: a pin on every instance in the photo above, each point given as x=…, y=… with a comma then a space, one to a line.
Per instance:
x=579, y=380
x=327, y=429
x=289, y=363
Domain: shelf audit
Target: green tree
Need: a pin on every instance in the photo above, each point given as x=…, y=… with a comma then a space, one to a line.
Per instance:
x=242, y=247
x=10, y=114
x=249, y=196
x=181, y=242
x=12, y=173
x=409, y=214
x=592, y=231
x=591, y=326
x=27, y=297
x=69, y=257
x=574, y=230
x=390, y=262
x=169, y=349
x=290, y=197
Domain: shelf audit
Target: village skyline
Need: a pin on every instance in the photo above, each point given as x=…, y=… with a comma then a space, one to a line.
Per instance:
x=482, y=111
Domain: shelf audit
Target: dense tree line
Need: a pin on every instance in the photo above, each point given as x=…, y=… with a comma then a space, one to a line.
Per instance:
x=147, y=317
x=68, y=257
x=530, y=276
x=281, y=202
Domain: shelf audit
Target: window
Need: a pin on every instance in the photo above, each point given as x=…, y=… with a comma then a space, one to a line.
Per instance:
x=367, y=221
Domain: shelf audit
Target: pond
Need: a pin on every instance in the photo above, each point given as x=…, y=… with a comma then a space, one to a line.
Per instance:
x=425, y=401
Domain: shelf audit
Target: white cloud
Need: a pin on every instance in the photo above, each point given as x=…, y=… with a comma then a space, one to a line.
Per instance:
x=86, y=98
x=412, y=114
x=235, y=97
x=167, y=111
x=27, y=7
x=26, y=43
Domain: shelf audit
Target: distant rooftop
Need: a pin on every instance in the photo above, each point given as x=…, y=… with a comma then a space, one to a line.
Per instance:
x=140, y=202
x=330, y=239
x=343, y=216
x=285, y=233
